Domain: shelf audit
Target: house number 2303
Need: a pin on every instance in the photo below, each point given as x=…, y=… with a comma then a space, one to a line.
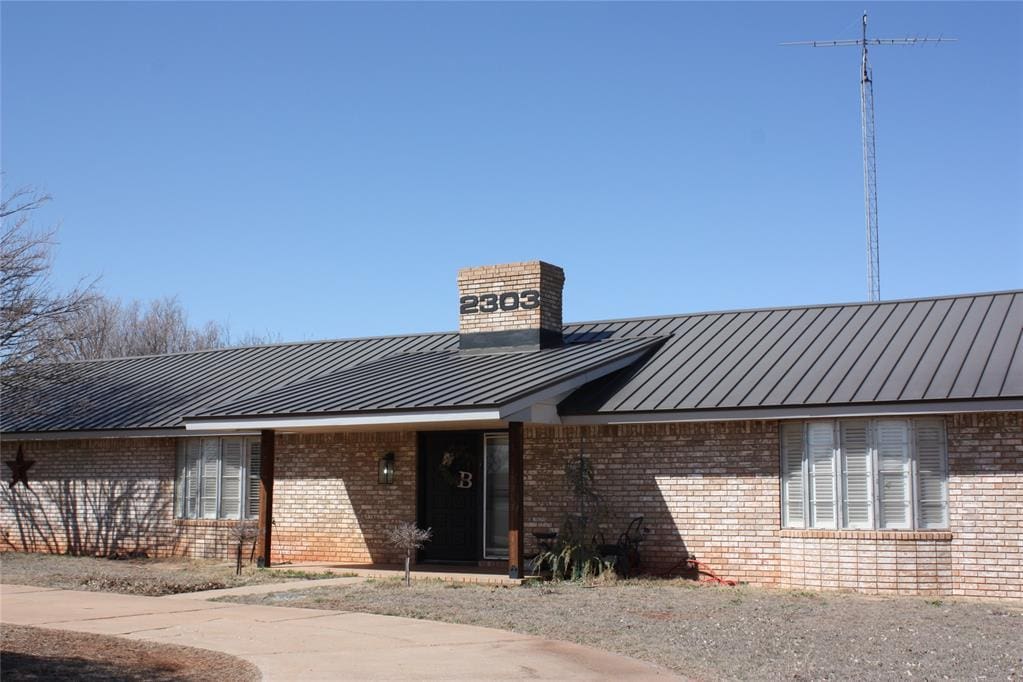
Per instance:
x=507, y=301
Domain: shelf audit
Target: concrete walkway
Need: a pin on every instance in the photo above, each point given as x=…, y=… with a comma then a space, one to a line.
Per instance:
x=308, y=644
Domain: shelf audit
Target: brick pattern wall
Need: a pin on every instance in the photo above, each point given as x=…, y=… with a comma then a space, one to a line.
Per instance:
x=328, y=505
x=496, y=279
x=985, y=491
x=708, y=490
x=871, y=562
x=103, y=497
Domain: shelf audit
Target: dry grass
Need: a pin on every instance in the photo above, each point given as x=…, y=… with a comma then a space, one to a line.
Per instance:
x=28, y=653
x=706, y=632
x=149, y=577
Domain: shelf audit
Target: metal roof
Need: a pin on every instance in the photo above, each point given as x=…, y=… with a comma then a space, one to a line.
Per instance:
x=155, y=391
x=951, y=348
x=437, y=380
x=948, y=348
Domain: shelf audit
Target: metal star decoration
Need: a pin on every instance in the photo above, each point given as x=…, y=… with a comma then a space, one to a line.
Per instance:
x=19, y=468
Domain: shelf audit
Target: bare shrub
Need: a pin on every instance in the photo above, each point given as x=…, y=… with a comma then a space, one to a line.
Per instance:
x=243, y=533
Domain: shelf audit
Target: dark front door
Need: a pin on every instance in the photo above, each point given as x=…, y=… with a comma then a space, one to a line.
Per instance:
x=451, y=482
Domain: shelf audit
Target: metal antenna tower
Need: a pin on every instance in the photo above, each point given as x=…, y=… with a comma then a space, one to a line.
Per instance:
x=869, y=152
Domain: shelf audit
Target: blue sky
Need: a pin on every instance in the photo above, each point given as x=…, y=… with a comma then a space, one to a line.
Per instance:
x=322, y=170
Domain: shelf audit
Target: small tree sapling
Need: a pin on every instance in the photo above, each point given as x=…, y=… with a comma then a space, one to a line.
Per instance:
x=408, y=537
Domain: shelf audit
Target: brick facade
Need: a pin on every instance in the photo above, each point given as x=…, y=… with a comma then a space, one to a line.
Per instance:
x=328, y=504
x=705, y=489
x=708, y=490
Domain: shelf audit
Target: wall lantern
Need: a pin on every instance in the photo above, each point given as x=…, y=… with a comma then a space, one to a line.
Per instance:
x=386, y=472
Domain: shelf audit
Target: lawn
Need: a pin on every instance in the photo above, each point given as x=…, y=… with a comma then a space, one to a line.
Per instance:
x=707, y=632
x=149, y=577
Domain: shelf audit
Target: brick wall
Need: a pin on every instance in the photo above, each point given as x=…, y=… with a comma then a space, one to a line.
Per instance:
x=985, y=491
x=328, y=505
x=708, y=490
x=513, y=277
x=91, y=496
x=879, y=562
x=103, y=496
x=712, y=490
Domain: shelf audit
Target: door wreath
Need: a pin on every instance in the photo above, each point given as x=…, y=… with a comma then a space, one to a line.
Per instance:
x=456, y=469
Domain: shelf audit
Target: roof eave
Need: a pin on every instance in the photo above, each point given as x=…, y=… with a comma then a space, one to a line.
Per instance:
x=799, y=412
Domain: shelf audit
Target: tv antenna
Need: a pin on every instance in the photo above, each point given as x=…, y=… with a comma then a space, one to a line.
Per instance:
x=867, y=124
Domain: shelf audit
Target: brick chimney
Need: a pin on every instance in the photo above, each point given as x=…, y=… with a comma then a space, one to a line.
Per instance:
x=511, y=306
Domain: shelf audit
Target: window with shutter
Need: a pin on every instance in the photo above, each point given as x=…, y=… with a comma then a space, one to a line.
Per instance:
x=210, y=476
x=231, y=478
x=892, y=447
x=857, y=482
x=932, y=474
x=820, y=437
x=252, y=494
x=863, y=474
x=792, y=476
x=217, y=478
x=179, y=480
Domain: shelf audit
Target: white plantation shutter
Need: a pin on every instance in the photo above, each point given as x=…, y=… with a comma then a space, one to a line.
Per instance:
x=179, y=481
x=932, y=474
x=820, y=437
x=792, y=487
x=892, y=446
x=252, y=494
x=857, y=483
x=231, y=478
x=193, y=462
x=210, y=476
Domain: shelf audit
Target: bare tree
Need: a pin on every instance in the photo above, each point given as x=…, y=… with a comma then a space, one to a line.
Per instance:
x=111, y=328
x=32, y=311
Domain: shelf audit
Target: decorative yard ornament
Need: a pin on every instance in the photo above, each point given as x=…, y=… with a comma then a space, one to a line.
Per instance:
x=19, y=468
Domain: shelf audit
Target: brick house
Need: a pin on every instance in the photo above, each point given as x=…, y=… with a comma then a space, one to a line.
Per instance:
x=872, y=446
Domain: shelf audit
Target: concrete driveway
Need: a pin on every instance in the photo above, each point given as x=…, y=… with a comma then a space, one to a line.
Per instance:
x=308, y=644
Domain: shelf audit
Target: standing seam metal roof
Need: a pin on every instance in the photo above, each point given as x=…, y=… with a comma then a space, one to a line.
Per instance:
x=945, y=348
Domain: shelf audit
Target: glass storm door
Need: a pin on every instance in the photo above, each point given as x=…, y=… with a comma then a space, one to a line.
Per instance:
x=495, y=534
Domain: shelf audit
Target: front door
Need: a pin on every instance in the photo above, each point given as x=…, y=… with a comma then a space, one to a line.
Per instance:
x=450, y=494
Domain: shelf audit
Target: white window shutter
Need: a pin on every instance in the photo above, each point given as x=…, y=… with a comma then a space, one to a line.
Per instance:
x=252, y=494
x=820, y=438
x=181, y=466
x=857, y=483
x=932, y=474
x=792, y=487
x=231, y=478
x=193, y=458
x=210, y=476
x=892, y=445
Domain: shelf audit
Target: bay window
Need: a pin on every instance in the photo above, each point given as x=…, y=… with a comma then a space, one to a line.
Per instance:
x=864, y=474
x=217, y=478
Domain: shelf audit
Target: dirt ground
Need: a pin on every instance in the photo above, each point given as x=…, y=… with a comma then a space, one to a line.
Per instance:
x=149, y=577
x=28, y=653
x=719, y=633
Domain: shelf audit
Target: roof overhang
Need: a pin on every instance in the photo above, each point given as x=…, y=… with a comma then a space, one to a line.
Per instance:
x=799, y=412
x=408, y=419
x=538, y=407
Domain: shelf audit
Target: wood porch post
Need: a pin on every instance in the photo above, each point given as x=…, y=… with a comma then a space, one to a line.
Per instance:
x=516, y=569
x=266, y=498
